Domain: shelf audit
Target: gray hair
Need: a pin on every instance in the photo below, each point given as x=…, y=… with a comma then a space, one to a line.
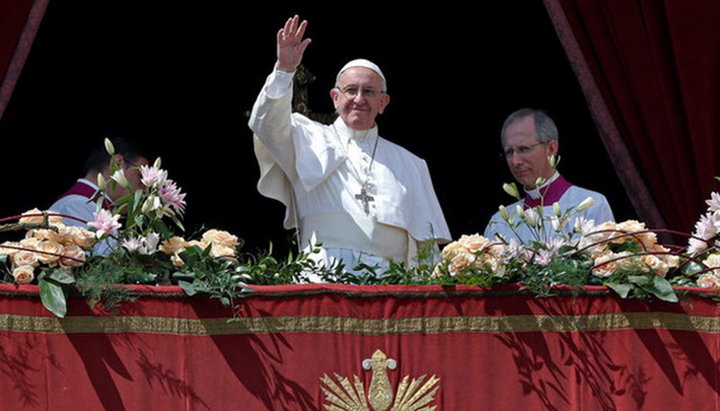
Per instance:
x=545, y=129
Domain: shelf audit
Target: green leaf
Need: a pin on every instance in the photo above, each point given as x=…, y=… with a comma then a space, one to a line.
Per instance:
x=137, y=198
x=177, y=222
x=663, y=290
x=52, y=296
x=691, y=268
x=621, y=289
x=189, y=288
x=61, y=277
x=639, y=280
x=139, y=220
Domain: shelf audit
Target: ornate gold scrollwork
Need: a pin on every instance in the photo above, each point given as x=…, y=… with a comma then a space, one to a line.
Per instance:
x=411, y=395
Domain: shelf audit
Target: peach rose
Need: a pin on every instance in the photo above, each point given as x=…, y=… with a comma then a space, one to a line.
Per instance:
x=606, y=267
x=460, y=262
x=656, y=264
x=475, y=243
x=177, y=261
x=25, y=258
x=79, y=236
x=712, y=261
x=220, y=237
x=47, y=234
x=196, y=243
x=52, y=248
x=174, y=245
x=24, y=274
x=38, y=219
x=221, y=251
x=75, y=252
x=10, y=251
x=452, y=249
x=30, y=242
x=708, y=280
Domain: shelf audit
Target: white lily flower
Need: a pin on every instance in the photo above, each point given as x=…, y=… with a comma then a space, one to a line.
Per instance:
x=586, y=203
x=119, y=177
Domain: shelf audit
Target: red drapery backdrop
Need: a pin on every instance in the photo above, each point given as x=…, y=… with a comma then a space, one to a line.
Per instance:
x=650, y=71
x=491, y=349
x=19, y=22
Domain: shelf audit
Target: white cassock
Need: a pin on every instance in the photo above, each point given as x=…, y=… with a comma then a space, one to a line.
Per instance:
x=318, y=172
x=557, y=189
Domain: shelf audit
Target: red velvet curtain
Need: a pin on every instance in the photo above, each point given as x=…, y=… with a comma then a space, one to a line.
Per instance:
x=650, y=71
x=19, y=21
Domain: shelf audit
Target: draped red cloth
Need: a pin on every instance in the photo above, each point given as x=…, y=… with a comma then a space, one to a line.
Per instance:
x=491, y=349
x=19, y=22
x=650, y=71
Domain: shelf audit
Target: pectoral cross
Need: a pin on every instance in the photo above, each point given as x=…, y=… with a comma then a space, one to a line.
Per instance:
x=365, y=198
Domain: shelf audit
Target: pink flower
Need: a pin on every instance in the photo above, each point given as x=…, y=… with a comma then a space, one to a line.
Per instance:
x=152, y=176
x=171, y=196
x=714, y=202
x=105, y=222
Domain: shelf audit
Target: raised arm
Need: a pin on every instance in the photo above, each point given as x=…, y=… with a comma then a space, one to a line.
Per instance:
x=291, y=45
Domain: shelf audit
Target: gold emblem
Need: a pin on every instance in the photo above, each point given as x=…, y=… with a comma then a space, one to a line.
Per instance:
x=411, y=395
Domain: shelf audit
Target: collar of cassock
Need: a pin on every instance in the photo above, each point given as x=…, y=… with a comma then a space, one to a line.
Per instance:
x=346, y=133
x=87, y=188
x=548, y=193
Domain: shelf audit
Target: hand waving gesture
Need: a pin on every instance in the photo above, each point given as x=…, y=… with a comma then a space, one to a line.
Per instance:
x=291, y=45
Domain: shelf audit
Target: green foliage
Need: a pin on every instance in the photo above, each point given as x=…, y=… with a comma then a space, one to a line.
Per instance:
x=53, y=291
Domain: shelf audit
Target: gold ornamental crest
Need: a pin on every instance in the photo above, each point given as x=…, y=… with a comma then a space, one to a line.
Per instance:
x=411, y=395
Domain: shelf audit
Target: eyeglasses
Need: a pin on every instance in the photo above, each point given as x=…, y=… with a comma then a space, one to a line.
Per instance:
x=351, y=92
x=522, y=150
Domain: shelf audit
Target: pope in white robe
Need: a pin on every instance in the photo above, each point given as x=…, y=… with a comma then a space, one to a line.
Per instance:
x=366, y=199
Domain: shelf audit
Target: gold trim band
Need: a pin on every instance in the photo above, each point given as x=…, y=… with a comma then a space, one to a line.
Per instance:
x=361, y=326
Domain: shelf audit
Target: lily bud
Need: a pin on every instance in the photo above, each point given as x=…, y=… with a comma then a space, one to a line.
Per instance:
x=157, y=163
x=101, y=181
x=586, y=203
x=540, y=181
x=531, y=217
x=519, y=210
x=150, y=204
x=556, y=209
x=109, y=147
x=504, y=214
x=119, y=177
x=512, y=190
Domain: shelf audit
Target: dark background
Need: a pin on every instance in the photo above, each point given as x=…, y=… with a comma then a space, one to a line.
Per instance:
x=180, y=78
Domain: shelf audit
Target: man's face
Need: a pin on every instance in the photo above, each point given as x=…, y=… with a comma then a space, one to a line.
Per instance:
x=359, y=98
x=526, y=157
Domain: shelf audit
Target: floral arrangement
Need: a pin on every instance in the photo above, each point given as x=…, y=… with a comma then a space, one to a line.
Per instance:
x=568, y=249
x=565, y=249
x=48, y=243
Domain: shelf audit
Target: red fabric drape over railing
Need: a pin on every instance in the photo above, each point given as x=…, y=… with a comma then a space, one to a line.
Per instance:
x=19, y=21
x=492, y=349
x=655, y=66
